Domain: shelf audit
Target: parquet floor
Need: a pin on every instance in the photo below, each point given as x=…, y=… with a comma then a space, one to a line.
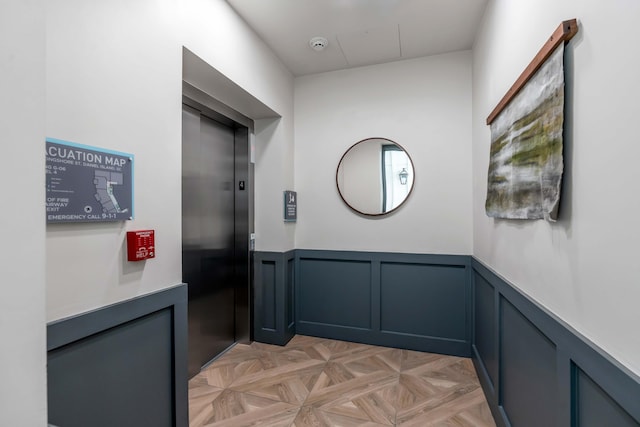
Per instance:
x=320, y=382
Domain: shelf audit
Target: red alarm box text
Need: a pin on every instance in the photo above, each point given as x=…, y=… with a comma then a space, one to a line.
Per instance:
x=140, y=245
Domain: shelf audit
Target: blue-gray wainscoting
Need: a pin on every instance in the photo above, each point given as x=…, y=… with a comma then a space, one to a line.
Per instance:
x=121, y=365
x=273, y=297
x=537, y=371
x=420, y=302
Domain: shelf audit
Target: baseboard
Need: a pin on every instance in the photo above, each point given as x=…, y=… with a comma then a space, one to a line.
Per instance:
x=536, y=370
x=120, y=365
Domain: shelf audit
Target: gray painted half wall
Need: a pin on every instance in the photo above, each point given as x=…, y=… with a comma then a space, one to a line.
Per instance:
x=535, y=370
x=419, y=302
x=124, y=363
x=121, y=365
x=273, y=297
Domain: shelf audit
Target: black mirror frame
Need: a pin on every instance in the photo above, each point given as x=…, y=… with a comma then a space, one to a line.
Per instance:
x=382, y=214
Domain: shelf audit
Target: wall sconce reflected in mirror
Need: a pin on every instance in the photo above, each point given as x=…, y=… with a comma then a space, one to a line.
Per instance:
x=403, y=176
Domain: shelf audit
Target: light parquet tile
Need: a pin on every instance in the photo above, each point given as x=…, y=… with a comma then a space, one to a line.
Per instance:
x=277, y=373
x=200, y=397
x=372, y=406
x=411, y=391
x=371, y=360
x=447, y=411
x=203, y=395
x=232, y=408
x=291, y=383
x=321, y=382
x=336, y=385
x=451, y=401
x=414, y=359
x=314, y=417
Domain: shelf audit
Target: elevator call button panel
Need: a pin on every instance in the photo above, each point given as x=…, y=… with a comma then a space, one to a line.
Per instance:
x=141, y=245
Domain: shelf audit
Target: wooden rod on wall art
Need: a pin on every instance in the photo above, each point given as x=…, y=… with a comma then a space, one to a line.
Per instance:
x=565, y=32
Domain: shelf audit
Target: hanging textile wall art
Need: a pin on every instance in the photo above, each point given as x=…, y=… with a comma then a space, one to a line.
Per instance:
x=526, y=164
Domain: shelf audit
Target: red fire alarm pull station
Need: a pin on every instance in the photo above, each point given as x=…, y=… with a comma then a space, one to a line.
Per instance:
x=141, y=245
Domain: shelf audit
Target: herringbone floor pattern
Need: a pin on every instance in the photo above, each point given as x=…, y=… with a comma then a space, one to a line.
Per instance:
x=320, y=382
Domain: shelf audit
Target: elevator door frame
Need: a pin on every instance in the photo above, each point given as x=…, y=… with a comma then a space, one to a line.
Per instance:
x=243, y=201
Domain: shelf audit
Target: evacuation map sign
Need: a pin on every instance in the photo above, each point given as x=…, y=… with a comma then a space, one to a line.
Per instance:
x=87, y=184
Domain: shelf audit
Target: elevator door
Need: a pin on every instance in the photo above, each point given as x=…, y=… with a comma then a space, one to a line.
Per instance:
x=208, y=235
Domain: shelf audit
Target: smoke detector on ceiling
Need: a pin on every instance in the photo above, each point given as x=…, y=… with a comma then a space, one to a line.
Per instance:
x=318, y=43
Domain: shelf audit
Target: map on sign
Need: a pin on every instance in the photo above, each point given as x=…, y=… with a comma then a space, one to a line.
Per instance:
x=105, y=182
x=87, y=184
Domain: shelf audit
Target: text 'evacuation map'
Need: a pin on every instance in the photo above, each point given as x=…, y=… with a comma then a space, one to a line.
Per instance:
x=87, y=184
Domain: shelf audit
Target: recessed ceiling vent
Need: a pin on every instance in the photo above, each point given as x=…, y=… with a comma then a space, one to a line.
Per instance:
x=318, y=43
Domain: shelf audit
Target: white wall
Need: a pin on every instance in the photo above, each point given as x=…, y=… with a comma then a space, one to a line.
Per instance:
x=584, y=268
x=213, y=31
x=273, y=175
x=422, y=104
x=114, y=73
x=23, y=398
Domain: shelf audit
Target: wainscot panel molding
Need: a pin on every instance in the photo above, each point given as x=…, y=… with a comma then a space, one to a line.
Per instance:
x=413, y=301
x=534, y=369
x=274, y=295
x=537, y=371
x=121, y=365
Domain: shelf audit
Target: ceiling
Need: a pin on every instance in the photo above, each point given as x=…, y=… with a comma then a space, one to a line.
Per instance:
x=360, y=32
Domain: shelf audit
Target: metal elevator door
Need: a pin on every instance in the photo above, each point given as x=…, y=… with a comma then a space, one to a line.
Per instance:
x=213, y=254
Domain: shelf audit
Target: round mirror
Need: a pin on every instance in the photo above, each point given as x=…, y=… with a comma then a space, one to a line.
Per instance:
x=375, y=176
